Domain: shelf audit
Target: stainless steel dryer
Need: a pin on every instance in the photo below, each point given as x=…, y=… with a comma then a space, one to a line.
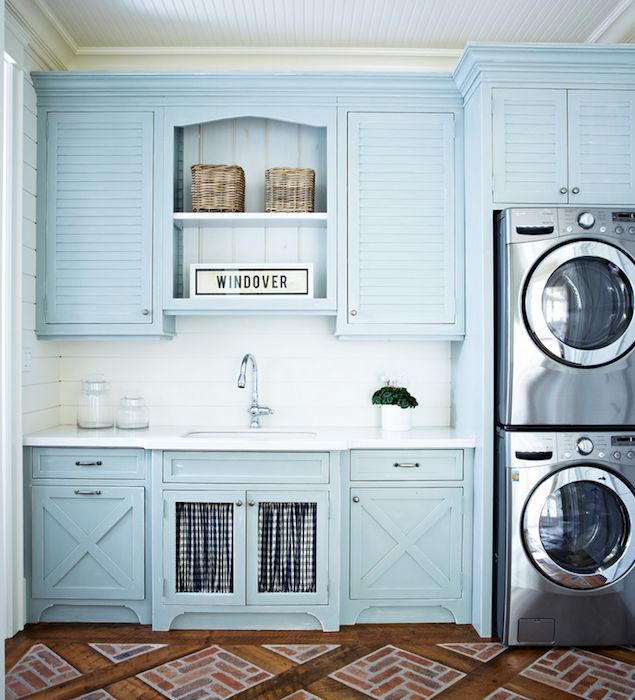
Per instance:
x=565, y=320
x=564, y=538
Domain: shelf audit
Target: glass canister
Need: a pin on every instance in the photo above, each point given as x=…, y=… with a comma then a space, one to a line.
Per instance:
x=95, y=409
x=133, y=413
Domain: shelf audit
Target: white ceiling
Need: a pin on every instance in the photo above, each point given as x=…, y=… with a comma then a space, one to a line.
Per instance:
x=101, y=26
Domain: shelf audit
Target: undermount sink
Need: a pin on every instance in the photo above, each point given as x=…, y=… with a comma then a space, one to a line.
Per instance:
x=252, y=433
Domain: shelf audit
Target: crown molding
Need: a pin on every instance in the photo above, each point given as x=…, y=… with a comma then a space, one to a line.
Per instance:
x=59, y=27
x=610, y=64
x=608, y=31
x=265, y=51
x=38, y=46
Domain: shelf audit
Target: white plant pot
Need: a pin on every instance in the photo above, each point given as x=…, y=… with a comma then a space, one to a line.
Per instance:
x=396, y=418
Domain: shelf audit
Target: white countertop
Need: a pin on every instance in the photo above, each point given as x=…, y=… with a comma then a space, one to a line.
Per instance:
x=263, y=439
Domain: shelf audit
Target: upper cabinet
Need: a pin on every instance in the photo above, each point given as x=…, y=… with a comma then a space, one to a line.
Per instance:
x=402, y=266
x=563, y=146
x=122, y=251
x=96, y=224
x=254, y=240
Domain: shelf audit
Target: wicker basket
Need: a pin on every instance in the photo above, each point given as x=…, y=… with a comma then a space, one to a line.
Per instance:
x=289, y=189
x=218, y=188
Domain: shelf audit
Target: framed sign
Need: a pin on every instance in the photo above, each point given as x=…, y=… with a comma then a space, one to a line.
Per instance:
x=249, y=280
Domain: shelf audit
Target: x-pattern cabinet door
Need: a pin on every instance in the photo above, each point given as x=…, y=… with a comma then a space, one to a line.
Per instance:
x=88, y=542
x=406, y=543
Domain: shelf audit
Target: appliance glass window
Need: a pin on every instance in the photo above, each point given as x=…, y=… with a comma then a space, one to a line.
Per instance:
x=587, y=303
x=584, y=527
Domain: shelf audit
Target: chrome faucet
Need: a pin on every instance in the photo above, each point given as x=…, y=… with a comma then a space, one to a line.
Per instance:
x=255, y=411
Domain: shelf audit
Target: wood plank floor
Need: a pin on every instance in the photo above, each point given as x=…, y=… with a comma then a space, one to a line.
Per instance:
x=389, y=662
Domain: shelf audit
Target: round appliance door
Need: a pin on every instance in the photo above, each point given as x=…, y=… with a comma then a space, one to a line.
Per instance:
x=577, y=527
x=578, y=303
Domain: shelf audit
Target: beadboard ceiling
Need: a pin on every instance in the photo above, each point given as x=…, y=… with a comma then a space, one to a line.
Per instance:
x=299, y=35
x=108, y=26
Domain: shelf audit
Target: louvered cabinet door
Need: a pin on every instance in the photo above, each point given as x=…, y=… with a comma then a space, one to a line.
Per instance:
x=401, y=221
x=98, y=237
x=601, y=146
x=529, y=146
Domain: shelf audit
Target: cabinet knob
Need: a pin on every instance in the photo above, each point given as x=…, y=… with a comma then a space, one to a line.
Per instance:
x=239, y=503
x=563, y=190
x=252, y=503
x=355, y=499
x=353, y=312
x=575, y=190
x=146, y=312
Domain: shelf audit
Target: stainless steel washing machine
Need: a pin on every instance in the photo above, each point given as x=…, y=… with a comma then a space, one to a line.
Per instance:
x=564, y=545
x=565, y=321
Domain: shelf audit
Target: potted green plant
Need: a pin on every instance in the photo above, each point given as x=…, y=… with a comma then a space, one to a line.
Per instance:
x=395, y=401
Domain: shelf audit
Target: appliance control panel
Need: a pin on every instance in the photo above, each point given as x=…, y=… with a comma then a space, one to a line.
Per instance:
x=549, y=222
x=608, y=447
x=534, y=449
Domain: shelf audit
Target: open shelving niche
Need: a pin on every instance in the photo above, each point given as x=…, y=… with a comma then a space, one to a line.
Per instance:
x=253, y=236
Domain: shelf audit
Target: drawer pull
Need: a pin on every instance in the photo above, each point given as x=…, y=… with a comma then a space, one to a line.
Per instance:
x=82, y=492
x=98, y=463
x=406, y=465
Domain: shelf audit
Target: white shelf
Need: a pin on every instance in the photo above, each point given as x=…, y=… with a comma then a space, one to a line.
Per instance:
x=205, y=220
x=272, y=306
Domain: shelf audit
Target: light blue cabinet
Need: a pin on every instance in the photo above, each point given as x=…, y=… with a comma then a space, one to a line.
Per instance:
x=86, y=556
x=95, y=272
x=245, y=547
x=88, y=542
x=246, y=539
x=403, y=257
x=408, y=548
x=256, y=137
x=406, y=543
x=563, y=146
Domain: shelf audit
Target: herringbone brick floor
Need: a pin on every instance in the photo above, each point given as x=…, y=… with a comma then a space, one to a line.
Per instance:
x=387, y=662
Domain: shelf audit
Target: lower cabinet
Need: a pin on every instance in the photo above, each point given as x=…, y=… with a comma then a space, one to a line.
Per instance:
x=86, y=554
x=409, y=540
x=246, y=547
x=247, y=540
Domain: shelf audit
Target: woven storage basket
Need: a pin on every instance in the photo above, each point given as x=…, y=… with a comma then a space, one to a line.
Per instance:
x=218, y=188
x=289, y=189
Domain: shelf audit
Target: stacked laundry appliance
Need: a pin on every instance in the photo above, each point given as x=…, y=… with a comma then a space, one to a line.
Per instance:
x=565, y=433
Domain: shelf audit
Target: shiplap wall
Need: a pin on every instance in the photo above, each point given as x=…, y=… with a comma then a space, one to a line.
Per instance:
x=306, y=375
x=40, y=387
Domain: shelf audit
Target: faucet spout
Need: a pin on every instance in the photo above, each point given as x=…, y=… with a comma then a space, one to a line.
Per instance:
x=254, y=410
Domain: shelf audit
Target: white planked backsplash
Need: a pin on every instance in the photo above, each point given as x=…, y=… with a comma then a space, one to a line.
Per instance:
x=40, y=387
x=306, y=375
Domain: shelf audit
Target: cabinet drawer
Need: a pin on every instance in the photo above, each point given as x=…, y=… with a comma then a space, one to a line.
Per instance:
x=87, y=463
x=252, y=467
x=406, y=465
